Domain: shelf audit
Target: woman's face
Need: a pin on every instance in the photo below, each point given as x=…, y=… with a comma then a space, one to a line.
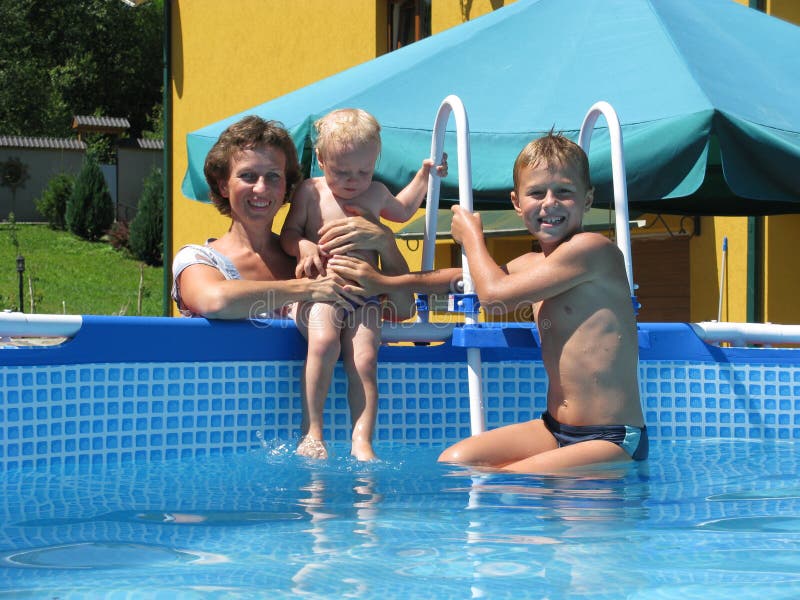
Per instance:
x=256, y=186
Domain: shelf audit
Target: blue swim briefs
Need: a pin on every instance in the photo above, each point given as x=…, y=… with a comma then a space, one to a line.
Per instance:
x=631, y=439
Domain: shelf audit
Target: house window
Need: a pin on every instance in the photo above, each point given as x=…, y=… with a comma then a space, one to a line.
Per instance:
x=408, y=22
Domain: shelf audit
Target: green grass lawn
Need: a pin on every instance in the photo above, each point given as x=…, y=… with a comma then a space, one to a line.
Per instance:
x=72, y=276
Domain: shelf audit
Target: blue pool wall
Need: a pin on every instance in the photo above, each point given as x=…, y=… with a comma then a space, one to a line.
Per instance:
x=152, y=388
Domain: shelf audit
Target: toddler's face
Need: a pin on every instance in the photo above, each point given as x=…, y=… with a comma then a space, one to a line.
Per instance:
x=348, y=171
x=551, y=199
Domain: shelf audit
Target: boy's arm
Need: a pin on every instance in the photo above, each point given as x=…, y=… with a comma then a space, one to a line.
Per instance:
x=368, y=281
x=293, y=237
x=531, y=277
x=402, y=207
x=398, y=289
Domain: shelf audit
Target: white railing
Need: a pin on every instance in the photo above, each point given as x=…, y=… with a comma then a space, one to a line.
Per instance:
x=453, y=105
x=738, y=334
x=16, y=324
x=743, y=334
x=623, y=233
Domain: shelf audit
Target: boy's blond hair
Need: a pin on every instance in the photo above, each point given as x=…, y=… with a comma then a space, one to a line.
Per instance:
x=346, y=128
x=557, y=150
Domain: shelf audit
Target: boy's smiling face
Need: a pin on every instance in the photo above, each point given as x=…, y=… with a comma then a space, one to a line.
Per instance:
x=551, y=199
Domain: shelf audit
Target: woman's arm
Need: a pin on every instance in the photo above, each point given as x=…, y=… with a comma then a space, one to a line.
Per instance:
x=204, y=291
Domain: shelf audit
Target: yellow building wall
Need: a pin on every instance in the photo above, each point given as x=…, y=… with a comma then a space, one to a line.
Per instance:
x=450, y=13
x=706, y=264
x=781, y=283
x=788, y=10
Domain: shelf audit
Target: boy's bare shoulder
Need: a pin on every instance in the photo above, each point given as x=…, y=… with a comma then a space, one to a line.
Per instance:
x=523, y=263
x=589, y=245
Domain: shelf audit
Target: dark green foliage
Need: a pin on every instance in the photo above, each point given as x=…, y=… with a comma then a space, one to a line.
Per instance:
x=81, y=57
x=53, y=203
x=90, y=210
x=146, y=232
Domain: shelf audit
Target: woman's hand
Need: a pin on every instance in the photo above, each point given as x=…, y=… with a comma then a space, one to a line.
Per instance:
x=366, y=280
x=334, y=289
x=361, y=231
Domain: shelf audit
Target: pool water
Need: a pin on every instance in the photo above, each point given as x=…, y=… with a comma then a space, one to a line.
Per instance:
x=709, y=519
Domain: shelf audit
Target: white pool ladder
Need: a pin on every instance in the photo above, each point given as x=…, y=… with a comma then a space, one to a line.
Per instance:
x=452, y=104
x=622, y=225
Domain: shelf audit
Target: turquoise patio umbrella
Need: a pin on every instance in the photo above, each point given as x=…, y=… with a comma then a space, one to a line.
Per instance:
x=707, y=92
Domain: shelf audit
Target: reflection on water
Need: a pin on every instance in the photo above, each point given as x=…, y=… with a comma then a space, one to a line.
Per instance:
x=558, y=515
x=343, y=513
x=208, y=518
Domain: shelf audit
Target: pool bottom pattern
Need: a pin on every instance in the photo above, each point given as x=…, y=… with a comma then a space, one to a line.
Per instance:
x=112, y=413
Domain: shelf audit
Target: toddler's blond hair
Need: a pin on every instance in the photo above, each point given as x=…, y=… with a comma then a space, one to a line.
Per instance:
x=346, y=128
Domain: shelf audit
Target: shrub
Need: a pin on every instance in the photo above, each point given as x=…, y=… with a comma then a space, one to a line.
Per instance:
x=90, y=210
x=53, y=203
x=146, y=233
x=119, y=235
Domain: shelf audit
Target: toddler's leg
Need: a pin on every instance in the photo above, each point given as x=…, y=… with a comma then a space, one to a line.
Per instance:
x=319, y=323
x=361, y=338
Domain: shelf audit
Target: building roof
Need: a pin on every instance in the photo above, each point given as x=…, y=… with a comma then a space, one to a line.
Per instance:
x=100, y=124
x=45, y=143
x=150, y=144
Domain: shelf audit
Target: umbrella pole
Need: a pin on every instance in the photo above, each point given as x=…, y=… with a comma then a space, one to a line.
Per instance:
x=722, y=276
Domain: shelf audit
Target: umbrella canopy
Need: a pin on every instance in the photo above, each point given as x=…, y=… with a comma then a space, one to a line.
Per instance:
x=706, y=92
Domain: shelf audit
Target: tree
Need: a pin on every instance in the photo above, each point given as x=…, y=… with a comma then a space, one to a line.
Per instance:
x=87, y=57
x=146, y=233
x=90, y=210
x=53, y=203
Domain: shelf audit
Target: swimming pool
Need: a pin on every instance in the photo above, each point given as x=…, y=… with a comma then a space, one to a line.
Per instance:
x=707, y=520
x=131, y=460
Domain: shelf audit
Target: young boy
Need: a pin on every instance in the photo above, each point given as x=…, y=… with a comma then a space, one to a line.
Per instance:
x=579, y=292
x=347, y=148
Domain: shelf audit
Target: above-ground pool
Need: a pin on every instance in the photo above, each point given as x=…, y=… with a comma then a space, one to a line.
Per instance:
x=153, y=457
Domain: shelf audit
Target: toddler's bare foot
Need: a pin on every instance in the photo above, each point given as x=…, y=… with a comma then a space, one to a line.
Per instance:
x=362, y=450
x=311, y=448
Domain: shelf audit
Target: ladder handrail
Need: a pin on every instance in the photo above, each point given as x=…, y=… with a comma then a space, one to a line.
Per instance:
x=452, y=105
x=618, y=173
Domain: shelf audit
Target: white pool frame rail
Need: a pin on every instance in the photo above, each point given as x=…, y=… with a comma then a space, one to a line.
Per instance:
x=452, y=105
x=15, y=324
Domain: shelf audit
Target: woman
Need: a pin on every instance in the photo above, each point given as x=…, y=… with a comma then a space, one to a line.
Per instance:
x=251, y=171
